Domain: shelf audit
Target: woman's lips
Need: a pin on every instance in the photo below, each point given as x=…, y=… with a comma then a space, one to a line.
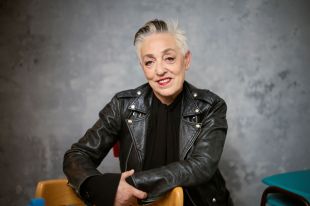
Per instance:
x=164, y=82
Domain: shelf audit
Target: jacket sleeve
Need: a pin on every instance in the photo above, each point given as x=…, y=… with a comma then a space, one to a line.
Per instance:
x=199, y=165
x=80, y=162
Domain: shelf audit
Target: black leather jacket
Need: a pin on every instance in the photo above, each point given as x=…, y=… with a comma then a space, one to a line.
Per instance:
x=125, y=119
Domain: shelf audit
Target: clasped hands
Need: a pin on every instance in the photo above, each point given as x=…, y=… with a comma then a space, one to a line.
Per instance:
x=126, y=194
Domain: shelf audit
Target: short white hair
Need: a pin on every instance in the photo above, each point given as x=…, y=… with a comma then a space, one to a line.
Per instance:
x=160, y=26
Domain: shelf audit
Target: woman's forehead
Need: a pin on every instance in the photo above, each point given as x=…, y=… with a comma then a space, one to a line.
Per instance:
x=158, y=43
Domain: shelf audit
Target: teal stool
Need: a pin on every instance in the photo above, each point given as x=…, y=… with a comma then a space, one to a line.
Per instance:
x=287, y=189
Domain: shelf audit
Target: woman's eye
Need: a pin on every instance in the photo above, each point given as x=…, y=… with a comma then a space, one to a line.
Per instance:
x=148, y=63
x=170, y=59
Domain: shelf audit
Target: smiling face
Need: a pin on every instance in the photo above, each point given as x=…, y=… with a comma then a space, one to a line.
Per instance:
x=164, y=65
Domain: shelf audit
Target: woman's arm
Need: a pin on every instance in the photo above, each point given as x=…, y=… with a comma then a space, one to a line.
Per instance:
x=198, y=167
x=81, y=161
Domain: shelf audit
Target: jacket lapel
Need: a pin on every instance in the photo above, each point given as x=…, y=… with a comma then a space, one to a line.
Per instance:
x=189, y=130
x=138, y=126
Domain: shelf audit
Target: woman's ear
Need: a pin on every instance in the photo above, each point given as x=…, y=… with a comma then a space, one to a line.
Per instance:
x=187, y=59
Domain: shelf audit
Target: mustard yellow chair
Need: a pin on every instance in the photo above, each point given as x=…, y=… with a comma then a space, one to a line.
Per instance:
x=172, y=198
x=56, y=192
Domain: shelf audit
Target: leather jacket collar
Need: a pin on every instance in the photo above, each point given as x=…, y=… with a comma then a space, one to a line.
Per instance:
x=143, y=94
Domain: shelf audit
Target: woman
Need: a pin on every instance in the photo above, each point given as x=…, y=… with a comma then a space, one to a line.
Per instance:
x=170, y=133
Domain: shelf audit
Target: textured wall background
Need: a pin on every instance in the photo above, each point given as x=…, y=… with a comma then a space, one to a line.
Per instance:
x=61, y=62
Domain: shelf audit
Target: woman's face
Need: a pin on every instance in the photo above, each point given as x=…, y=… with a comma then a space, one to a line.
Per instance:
x=164, y=65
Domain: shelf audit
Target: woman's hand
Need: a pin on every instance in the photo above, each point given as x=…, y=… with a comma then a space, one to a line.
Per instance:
x=126, y=194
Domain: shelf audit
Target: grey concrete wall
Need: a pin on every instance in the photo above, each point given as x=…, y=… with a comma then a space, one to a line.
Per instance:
x=61, y=62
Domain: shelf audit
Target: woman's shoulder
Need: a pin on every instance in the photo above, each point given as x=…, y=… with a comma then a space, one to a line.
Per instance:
x=204, y=95
x=133, y=93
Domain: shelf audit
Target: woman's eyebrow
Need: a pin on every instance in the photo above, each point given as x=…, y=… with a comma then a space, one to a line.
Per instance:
x=163, y=52
x=148, y=55
x=168, y=50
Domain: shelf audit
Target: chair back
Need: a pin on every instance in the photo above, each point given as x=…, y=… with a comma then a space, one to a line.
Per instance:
x=291, y=188
x=172, y=198
x=56, y=192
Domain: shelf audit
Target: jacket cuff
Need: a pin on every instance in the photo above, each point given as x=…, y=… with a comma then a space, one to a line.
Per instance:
x=129, y=180
x=101, y=189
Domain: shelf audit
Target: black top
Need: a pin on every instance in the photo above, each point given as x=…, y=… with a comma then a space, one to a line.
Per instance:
x=162, y=148
x=162, y=143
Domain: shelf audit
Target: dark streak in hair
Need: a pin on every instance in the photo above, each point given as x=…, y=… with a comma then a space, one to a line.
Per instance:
x=159, y=25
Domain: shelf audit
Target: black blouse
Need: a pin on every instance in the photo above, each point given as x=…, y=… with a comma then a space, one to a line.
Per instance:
x=162, y=143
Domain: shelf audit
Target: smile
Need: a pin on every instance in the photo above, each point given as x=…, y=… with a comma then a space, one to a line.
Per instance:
x=164, y=82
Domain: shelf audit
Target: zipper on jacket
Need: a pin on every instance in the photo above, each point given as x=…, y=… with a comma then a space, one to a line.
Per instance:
x=191, y=143
x=190, y=198
x=127, y=158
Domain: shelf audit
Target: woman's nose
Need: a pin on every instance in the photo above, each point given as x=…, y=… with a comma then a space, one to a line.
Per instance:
x=160, y=69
